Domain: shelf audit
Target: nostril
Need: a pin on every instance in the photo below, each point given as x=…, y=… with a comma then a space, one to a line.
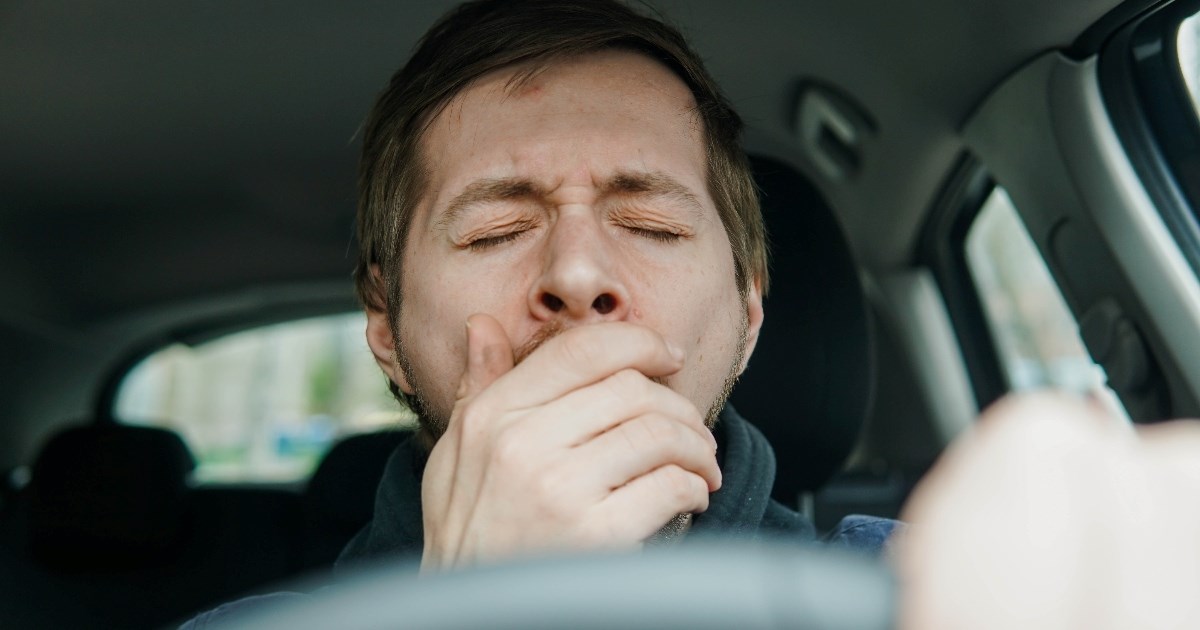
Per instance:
x=605, y=304
x=552, y=302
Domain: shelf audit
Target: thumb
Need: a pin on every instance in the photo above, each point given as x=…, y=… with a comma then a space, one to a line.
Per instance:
x=489, y=355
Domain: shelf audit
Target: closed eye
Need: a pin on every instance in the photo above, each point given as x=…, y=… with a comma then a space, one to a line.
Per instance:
x=663, y=236
x=487, y=242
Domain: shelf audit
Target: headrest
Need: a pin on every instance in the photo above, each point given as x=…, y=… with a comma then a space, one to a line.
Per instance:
x=105, y=495
x=341, y=493
x=809, y=383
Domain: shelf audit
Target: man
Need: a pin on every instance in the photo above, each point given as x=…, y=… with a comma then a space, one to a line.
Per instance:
x=562, y=261
x=562, y=264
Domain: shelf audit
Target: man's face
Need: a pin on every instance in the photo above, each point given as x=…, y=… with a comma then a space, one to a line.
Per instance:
x=576, y=197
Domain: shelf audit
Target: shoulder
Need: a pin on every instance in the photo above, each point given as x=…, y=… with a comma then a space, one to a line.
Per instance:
x=869, y=534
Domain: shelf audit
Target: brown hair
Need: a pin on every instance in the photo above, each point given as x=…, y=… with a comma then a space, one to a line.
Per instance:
x=483, y=36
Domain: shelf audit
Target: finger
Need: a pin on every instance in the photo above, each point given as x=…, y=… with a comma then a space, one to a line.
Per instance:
x=585, y=413
x=489, y=355
x=641, y=507
x=641, y=445
x=582, y=356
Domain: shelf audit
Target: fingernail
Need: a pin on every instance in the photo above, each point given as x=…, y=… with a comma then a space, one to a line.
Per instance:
x=675, y=351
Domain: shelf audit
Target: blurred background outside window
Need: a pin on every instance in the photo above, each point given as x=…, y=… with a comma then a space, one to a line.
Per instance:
x=1034, y=331
x=1189, y=56
x=264, y=404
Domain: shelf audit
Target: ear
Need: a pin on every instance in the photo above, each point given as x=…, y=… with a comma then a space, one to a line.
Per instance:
x=379, y=338
x=754, y=320
x=383, y=345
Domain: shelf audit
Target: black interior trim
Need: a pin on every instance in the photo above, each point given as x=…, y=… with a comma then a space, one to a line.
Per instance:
x=1092, y=40
x=942, y=249
x=1154, y=118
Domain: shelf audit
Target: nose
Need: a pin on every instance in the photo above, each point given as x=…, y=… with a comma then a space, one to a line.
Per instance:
x=581, y=280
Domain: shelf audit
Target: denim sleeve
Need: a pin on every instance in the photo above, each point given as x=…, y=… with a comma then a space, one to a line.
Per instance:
x=868, y=534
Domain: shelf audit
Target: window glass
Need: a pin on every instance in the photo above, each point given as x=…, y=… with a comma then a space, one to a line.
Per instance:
x=1035, y=333
x=264, y=404
x=1189, y=56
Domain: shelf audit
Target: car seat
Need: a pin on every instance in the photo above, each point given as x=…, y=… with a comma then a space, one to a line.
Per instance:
x=109, y=495
x=809, y=384
x=340, y=497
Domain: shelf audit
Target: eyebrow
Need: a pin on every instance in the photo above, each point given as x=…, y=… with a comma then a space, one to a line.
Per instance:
x=652, y=184
x=487, y=191
x=632, y=183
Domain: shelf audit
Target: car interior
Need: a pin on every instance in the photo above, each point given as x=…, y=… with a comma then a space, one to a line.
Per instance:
x=963, y=200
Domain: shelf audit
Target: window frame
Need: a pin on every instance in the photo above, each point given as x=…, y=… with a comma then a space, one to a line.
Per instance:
x=1152, y=112
x=943, y=250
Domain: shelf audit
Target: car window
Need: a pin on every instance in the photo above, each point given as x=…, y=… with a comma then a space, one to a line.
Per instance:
x=1035, y=335
x=263, y=404
x=1150, y=81
x=1189, y=56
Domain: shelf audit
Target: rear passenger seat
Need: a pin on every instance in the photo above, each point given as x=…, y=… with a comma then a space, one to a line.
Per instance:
x=109, y=533
x=109, y=497
x=340, y=497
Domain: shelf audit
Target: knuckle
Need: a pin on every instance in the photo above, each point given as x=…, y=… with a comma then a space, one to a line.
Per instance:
x=622, y=388
x=509, y=451
x=679, y=405
x=665, y=430
x=550, y=489
x=682, y=486
x=629, y=383
x=640, y=434
x=657, y=437
x=474, y=417
x=557, y=498
x=653, y=433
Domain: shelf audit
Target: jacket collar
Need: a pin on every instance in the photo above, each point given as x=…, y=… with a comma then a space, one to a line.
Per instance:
x=736, y=509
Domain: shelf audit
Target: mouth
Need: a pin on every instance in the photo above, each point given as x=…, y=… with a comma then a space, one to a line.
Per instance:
x=551, y=330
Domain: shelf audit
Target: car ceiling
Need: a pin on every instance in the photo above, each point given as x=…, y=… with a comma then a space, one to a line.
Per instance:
x=155, y=152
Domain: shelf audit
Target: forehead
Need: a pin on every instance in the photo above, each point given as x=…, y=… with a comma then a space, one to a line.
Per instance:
x=626, y=75
x=606, y=111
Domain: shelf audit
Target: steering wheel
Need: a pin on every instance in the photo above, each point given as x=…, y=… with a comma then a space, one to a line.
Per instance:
x=699, y=585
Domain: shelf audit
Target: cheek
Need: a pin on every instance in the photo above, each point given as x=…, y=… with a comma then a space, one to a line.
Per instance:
x=428, y=337
x=439, y=298
x=713, y=310
x=695, y=304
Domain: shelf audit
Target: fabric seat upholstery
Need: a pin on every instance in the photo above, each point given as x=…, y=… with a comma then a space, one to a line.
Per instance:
x=809, y=384
x=109, y=495
x=340, y=496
